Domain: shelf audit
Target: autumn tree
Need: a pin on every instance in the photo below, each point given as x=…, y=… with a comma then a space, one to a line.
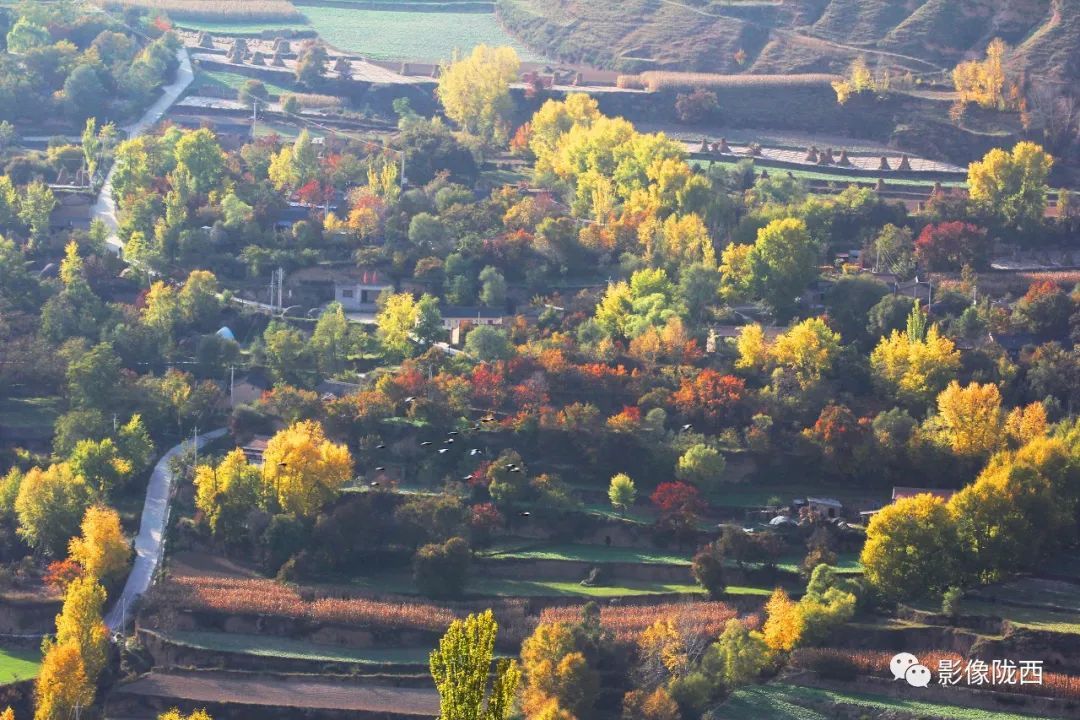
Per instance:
x=983, y=81
x=100, y=464
x=910, y=548
x=396, y=320
x=304, y=470
x=679, y=505
x=80, y=625
x=622, y=492
x=708, y=570
x=914, y=370
x=175, y=714
x=475, y=91
x=62, y=684
x=952, y=245
x=50, y=505
x=969, y=419
x=1012, y=184
x=556, y=672
x=462, y=668
x=710, y=396
x=199, y=160
x=783, y=622
x=808, y=349
x=655, y=705
x=102, y=550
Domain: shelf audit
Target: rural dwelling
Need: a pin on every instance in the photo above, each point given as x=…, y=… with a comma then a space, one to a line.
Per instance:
x=360, y=289
x=72, y=212
x=330, y=389
x=255, y=448
x=250, y=388
x=825, y=507
x=454, y=316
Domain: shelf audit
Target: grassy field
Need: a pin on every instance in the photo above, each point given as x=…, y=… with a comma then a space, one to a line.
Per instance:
x=788, y=702
x=242, y=28
x=219, y=80
x=419, y=36
x=18, y=664
x=269, y=646
x=1033, y=618
x=402, y=584
x=33, y=414
x=841, y=177
x=587, y=553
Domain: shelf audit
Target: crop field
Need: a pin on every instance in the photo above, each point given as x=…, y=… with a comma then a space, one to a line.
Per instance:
x=708, y=618
x=214, y=10
x=418, y=36
x=488, y=587
x=788, y=702
x=18, y=664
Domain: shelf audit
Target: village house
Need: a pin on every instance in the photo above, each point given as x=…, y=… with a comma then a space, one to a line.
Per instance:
x=360, y=290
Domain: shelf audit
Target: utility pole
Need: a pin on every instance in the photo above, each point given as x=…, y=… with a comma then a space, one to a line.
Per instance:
x=232, y=386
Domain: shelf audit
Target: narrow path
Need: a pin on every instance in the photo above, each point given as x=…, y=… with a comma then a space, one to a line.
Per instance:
x=105, y=207
x=149, y=542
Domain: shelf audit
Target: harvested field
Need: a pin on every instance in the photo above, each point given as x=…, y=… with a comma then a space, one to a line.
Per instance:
x=293, y=692
x=214, y=10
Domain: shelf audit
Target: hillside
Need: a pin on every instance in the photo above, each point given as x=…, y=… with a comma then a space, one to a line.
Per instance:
x=797, y=35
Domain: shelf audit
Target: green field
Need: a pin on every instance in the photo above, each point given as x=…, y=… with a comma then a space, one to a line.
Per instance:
x=242, y=28
x=220, y=80
x=788, y=702
x=33, y=414
x=586, y=553
x=401, y=583
x=18, y=664
x=1032, y=618
x=279, y=647
x=418, y=36
x=841, y=177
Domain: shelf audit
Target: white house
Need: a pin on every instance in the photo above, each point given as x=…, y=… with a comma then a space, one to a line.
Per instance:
x=362, y=291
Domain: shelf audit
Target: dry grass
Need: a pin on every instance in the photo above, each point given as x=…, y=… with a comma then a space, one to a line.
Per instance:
x=266, y=597
x=214, y=10
x=311, y=100
x=656, y=80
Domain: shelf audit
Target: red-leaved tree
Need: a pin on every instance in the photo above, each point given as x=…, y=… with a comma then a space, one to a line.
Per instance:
x=951, y=245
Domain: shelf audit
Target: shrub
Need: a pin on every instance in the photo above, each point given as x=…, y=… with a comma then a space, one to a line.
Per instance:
x=441, y=571
x=708, y=569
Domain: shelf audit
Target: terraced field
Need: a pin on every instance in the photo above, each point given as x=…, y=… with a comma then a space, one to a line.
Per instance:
x=788, y=702
x=18, y=664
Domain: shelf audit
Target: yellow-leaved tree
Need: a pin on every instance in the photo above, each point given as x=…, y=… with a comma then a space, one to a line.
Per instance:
x=227, y=493
x=175, y=714
x=102, y=550
x=969, y=419
x=62, y=684
x=558, y=678
x=1012, y=183
x=807, y=349
x=783, y=624
x=475, y=91
x=554, y=119
x=915, y=370
x=79, y=624
x=303, y=469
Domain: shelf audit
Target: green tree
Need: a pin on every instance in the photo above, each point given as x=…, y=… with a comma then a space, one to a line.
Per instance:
x=311, y=65
x=35, y=209
x=330, y=339
x=702, y=466
x=461, y=668
x=100, y=464
x=739, y=656
x=493, y=287
x=441, y=570
x=622, y=492
x=782, y=263
x=84, y=95
x=429, y=324
x=198, y=299
x=286, y=353
x=199, y=158
x=93, y=378
x=26, y=35
x=488, y=344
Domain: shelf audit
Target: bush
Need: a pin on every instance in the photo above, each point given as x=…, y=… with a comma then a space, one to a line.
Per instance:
x=441, y=571
x=708, y=569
